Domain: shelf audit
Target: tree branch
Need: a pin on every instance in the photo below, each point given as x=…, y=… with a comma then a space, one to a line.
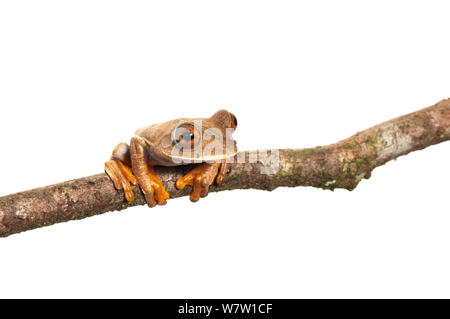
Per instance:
x=340, y=165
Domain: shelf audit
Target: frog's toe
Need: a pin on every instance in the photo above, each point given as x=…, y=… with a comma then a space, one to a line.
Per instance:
x=204, y=190
x=154, y=191
x=199, y=190
x=161, y=195
x=183, y=181
x=121, y=177
x=200, y=178
x=149, y=196
x=196, y=191
x=223, y=171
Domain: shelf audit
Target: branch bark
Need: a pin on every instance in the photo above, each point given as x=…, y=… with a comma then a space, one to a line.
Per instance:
x=339, y=165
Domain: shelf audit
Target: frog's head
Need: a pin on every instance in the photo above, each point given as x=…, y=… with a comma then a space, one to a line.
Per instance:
x=189, y=140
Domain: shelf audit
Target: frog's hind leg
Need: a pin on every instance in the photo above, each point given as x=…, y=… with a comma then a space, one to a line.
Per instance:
x=118, y=169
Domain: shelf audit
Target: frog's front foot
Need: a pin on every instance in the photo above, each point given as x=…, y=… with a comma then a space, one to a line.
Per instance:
x=150, y=184
x=153, y=189
x=118, y=169
x=201, y=177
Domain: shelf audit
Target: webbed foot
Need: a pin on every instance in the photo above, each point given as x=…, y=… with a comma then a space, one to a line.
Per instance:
x=150, y=184
x=154, y=190
x=201, y=177
x=118, y=169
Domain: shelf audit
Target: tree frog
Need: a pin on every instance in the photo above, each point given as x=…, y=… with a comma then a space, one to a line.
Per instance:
x=207, y=141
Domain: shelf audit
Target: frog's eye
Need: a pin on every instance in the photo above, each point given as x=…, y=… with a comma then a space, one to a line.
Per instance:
x=234, y=121
x=185, y=134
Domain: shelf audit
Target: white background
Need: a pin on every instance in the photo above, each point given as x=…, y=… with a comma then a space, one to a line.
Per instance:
x=78, y=77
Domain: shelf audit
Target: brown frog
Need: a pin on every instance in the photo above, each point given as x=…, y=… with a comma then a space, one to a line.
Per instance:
x=207, y=141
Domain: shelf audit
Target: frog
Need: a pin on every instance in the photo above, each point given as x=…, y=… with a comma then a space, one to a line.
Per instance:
x=177, y=142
